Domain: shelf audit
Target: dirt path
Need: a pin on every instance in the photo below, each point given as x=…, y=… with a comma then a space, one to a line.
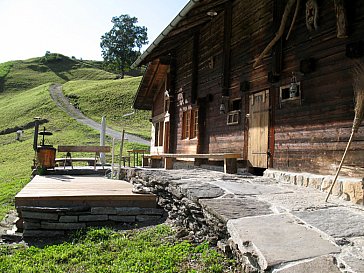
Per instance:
x=58, y=97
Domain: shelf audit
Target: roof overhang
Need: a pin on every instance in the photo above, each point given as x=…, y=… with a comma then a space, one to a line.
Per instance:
x=188, y=20
x=150, y=84
x=192, y=17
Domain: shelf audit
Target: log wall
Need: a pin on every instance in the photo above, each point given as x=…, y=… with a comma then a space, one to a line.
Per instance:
x=307, y=136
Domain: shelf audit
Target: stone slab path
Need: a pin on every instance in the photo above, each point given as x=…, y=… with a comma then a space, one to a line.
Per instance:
x=277, y=227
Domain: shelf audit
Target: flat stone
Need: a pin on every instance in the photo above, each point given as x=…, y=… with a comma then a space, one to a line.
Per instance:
x=298, y=198
x=93, y=218
x=31, y=225
x=42, y=233
x=234, y=208
x=354, y=190
x=337, y=222
x=151, y=211
x=239, y=188
x=68, y=219
x=54, y=209
x=276, y=239
x=103, y=210
x=147, y=218
x=128, y=211
x=324, y=264
x=39, y=215
x=62, y=226
x=206, y=190
x=121, y=218
x=352, y=255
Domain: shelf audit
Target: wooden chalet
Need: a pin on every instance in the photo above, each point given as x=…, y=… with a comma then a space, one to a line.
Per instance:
x=290, y=109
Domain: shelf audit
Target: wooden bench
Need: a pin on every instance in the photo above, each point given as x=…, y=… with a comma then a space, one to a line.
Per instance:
x=230, y=159
x=68, y=160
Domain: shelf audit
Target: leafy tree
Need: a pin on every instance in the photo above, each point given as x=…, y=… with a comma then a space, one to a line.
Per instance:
x=121, y=45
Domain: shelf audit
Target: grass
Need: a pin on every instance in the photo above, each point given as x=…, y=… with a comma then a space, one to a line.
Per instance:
x=33, y=72
x=16, y=156
x=113, y=99
x=26, y=95
x=104, y=250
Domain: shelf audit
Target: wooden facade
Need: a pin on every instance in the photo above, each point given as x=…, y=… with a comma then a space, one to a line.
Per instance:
x=201, y=78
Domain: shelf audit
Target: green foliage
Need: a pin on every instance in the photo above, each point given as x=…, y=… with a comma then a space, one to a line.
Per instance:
x=121, y=45
x=104, y=250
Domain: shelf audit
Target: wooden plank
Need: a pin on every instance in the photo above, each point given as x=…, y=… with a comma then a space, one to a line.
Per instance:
x=65, y=190
x=94, y=149
x=76, y=159
x=211, y=156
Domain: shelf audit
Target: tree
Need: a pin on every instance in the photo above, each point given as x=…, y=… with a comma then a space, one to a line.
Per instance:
x=121, y=45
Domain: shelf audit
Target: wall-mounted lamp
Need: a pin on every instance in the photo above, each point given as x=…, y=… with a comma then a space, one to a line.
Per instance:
x=211, y=13
x=293, y=89
x=223, y=107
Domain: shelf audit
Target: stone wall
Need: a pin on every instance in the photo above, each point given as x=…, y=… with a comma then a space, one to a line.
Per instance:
x=348, y=189
x=52, y=221
x=182, y=199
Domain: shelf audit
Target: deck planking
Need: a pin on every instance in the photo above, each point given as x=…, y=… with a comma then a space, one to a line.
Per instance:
x=68, y=190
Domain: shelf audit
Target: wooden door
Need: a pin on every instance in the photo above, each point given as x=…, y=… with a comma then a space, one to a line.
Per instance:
x=258, y=129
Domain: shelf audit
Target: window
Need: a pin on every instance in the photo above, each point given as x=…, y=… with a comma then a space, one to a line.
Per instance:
x=287, y=94
x=194, y=124
x=190, y=124
x=233, y=117
x=158, y=133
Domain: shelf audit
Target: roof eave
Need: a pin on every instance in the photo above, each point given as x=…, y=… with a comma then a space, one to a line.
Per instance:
x=165, y=32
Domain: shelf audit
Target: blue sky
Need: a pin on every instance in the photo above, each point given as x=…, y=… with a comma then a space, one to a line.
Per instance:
x=29, y=28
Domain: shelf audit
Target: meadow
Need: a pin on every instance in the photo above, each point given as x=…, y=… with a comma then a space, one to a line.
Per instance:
x=24, y=95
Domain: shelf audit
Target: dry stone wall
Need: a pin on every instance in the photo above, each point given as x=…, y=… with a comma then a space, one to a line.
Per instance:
x=53, y=221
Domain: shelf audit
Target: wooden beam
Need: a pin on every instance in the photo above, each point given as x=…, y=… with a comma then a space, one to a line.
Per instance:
x=195, y=59
x=227, y=47
x=94, y=149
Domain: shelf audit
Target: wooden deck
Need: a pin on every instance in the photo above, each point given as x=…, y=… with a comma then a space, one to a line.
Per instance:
x=67, y=190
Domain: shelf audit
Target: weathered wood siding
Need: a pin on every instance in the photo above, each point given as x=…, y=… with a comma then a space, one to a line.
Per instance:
x=308, y=136
x=312, y=137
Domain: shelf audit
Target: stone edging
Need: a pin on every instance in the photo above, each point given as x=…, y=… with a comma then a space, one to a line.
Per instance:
x=348, y=189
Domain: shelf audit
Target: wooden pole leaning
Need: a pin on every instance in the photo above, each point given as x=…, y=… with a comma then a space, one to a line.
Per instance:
x=359, y=113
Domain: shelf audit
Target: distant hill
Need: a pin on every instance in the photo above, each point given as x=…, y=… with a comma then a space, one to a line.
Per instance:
x=53, y=67
x=25, y=94
x=95, y=91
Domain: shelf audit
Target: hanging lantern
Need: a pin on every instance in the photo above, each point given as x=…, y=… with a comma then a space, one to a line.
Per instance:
x=293, y=89
x=223, y=107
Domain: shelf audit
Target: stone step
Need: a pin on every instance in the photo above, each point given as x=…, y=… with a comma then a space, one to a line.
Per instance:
x=278, y=239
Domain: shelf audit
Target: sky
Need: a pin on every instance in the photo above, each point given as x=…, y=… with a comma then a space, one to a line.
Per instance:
x=29, y=28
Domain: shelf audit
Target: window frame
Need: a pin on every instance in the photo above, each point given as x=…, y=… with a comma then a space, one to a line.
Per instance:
x=190, y=124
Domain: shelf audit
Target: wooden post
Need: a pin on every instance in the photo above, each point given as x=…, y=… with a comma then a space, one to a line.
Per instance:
x=168, y=163
x=112, y=158
x=121, y=152
x=102, y=139
x=230, y=165
x=341, y=19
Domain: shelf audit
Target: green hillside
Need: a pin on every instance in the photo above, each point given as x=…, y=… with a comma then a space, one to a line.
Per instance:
x=25, y=95
x=113, y=99
x=26, y=74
